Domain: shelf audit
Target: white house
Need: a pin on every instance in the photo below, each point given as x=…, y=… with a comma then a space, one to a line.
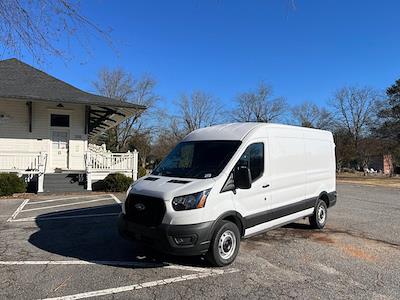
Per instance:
x=45, y=126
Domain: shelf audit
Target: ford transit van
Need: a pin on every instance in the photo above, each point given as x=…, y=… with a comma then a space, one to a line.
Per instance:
x=227, y=182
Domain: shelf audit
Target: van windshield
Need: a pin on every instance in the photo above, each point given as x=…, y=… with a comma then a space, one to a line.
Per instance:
x=197, y=159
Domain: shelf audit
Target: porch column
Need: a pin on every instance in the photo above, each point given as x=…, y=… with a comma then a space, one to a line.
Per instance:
x=88, y=171
x=135, y=165
x=41, y=167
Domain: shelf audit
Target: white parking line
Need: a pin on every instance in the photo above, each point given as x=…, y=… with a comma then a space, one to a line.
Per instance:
x=17, y=211
x=69, y=198
x=115, y=198
x=108, y=262
x=34, y=219
x=55, y=213
x=138, y=286
x=67, y=204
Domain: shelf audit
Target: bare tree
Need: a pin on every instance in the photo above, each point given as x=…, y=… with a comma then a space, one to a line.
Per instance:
x=309, y=114
x=354, y=109
x=121, y=85
x=198, y=110
x=116, y=84
x=259, y=106
x=141, y=141
x=167, y=139
x=39, y=26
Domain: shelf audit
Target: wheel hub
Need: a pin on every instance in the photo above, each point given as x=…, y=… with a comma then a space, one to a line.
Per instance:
x=227, y=244
x=321, y=215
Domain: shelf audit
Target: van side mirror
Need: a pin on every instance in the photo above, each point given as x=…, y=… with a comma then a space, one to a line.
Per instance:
x=242, y=177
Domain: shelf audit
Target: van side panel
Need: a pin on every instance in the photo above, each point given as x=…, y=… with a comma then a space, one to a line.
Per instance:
x=320, y=175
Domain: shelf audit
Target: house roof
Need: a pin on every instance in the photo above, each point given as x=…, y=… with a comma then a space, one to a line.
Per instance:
x=19, y=80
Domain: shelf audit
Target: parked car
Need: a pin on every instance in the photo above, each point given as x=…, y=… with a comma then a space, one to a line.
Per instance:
x=227, y=182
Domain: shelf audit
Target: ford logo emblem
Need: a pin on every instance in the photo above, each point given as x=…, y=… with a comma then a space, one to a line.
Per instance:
x=140, y=206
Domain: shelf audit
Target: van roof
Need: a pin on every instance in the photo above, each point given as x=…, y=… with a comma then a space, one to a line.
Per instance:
x=238, y=131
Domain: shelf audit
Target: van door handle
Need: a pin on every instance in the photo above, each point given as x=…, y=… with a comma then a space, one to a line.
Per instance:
x=265, y=186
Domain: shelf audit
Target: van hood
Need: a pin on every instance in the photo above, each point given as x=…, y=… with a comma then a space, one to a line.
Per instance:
x=169, y=187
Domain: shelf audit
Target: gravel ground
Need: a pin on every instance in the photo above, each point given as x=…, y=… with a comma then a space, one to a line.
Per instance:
x=355, y=256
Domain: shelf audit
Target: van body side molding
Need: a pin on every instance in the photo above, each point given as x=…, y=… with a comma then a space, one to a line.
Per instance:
x=279, y=212
x=276, y=223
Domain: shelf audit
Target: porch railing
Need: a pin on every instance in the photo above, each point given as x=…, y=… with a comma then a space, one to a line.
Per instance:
x=25, y=163
x=102, y=149
x=111, y=162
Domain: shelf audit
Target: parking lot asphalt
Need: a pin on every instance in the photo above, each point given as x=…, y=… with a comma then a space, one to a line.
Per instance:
x=53, y=247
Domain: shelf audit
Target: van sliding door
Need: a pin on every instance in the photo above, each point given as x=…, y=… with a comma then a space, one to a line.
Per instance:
x=288, y=173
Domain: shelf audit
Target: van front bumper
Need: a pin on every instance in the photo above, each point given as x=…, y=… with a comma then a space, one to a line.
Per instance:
x=185, y=240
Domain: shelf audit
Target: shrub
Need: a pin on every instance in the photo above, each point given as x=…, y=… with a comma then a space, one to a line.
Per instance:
x=116, y=183
x=142, y=172
x=10, y=184
x=348, y=170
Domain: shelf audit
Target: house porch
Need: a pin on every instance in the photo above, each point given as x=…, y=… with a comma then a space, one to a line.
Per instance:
x=46, y=125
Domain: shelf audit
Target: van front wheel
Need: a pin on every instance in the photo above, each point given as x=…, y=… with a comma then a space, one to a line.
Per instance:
x=224, y=245
x=319, y=217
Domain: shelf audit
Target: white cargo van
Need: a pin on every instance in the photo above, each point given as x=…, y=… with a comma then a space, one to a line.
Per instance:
x=227, y=182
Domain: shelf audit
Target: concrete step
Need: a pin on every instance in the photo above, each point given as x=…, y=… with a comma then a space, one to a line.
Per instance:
x=64, y=182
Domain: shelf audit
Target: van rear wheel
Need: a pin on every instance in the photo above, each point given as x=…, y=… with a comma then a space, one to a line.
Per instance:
x=319, y=217
x=224, y=245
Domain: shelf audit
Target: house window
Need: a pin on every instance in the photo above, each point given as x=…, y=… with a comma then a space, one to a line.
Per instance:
x=59, y=120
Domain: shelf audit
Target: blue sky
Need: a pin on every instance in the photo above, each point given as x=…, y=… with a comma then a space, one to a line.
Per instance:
x=226, y=47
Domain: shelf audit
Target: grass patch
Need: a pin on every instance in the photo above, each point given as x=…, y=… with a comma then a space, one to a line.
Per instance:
x=384, y=181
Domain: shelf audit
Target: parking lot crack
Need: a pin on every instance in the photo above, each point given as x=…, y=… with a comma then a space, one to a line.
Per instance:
x=62, y=284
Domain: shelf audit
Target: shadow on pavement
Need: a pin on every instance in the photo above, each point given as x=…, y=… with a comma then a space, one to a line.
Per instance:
x=298, y=226
x=96, y=239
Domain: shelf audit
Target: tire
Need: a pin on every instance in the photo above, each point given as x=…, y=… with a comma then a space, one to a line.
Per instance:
x=320, y=215
x=224, y=245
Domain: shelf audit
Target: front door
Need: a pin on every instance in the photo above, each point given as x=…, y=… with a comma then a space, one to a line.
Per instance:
x=252, y=203
x=60, y=149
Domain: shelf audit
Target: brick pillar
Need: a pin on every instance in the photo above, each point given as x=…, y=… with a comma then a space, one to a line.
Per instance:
x=387, y=164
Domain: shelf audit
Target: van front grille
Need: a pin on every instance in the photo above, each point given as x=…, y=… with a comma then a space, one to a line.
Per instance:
x=144, y=210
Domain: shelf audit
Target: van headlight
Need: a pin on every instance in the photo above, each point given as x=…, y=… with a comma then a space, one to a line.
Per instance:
x=192, y=201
